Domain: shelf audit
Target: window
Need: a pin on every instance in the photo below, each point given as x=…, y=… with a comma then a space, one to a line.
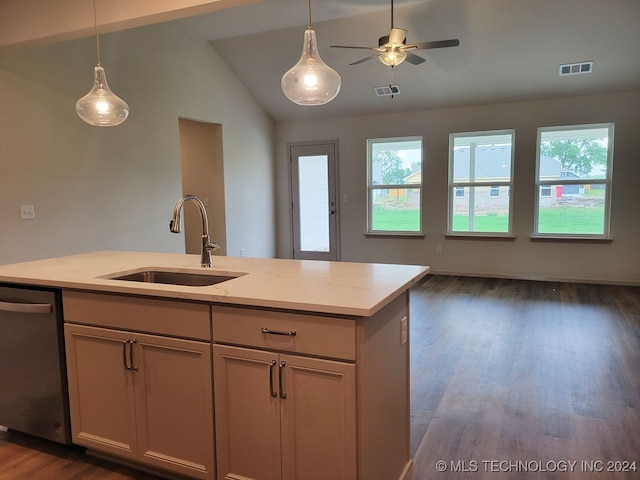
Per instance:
x=573, y=178
x=480, y=165
x=394, y=180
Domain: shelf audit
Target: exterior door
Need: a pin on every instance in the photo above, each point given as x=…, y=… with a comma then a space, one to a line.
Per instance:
x=314, y=205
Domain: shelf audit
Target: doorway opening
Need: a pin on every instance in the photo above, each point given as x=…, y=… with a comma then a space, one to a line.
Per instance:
x=202, y=169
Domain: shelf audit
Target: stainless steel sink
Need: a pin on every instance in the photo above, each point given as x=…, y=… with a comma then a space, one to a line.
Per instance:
x=175, y=278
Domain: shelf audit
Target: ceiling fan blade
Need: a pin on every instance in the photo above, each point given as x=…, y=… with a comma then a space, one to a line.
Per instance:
x=350, y=46
x=397, y=36
x=362, y=60
x=454, y=42
x=414, y=59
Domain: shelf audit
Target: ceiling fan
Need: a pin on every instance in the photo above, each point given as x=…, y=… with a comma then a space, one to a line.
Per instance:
x=392, y=49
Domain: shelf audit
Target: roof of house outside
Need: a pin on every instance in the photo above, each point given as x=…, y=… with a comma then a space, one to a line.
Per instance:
x=494, y=163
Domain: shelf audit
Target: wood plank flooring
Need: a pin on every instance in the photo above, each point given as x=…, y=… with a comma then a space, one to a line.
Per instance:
x=507, y=376
x=513, y=377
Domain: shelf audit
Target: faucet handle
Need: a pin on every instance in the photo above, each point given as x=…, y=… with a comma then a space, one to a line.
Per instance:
x=212, y=246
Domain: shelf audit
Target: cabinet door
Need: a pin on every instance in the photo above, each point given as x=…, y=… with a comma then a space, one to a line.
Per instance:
x=318, y=408
x=101, y=392
x=174, y=404
x=247, y=414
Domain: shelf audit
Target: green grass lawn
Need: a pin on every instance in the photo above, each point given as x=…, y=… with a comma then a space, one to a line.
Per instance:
x=571, y=220
x=552, y=220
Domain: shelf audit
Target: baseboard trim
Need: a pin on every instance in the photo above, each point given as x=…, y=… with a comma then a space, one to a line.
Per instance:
x=540, y=278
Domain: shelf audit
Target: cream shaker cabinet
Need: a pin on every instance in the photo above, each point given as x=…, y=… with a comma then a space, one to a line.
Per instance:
x=139, y=396
x=302, y=396
x=281, y=416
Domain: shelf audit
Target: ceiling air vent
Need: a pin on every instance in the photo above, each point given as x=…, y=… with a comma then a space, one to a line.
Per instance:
x=387, y=90
x=576, y=68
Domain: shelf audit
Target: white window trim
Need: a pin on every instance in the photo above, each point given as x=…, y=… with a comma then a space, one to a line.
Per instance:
x=370, y=188
x=492, y=183
x=606, y=235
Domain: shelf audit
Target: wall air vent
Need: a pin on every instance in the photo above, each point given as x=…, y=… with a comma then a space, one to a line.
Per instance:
x=387, y=90
x=576, y=68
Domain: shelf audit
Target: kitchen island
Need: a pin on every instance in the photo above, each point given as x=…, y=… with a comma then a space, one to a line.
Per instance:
x=290, y=370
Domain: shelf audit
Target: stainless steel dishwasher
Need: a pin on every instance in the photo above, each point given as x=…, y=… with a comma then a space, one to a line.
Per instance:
x=33, y=384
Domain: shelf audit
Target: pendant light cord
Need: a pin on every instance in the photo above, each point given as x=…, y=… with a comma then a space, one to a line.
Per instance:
x=95, y=23
x=309, y=13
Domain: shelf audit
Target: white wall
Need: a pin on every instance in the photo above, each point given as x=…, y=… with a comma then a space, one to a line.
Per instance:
x=617, y=261
x=115, y=188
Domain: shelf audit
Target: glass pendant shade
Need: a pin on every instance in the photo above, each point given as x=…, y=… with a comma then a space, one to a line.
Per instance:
x=310, y=81
x=393, y=58
x=101, y=107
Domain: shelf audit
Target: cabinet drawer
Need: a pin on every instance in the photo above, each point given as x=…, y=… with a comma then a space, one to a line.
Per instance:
x=327, y=337
x=162, y=317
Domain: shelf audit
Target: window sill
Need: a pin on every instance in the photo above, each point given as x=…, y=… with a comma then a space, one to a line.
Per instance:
x=394, y=235
x=572, y=238
x=480, y=236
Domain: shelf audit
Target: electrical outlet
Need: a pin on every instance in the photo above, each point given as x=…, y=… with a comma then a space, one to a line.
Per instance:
x=404, y=331
x=27, y=212
x=242, y=252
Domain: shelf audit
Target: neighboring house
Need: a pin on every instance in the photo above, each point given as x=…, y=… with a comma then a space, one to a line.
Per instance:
x=494, y=163
x=400, y=197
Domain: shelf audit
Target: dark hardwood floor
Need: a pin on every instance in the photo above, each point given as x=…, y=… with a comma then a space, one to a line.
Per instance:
x=507, y=376
x=510, y=377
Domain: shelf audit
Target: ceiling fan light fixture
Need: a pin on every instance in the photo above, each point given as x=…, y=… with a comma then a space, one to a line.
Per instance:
x=101, y=107
x=393, y=58
x=310, y=81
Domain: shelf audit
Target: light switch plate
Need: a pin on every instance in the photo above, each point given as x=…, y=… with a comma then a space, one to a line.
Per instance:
x=27, y=212
x=404, y=331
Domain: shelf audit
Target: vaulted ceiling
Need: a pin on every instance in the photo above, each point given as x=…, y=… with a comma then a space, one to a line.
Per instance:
x=509, y=49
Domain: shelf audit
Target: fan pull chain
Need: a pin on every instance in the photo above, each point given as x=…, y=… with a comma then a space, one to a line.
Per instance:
x=391, y=81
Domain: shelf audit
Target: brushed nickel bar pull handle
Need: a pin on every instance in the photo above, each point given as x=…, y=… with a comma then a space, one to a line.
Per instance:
x=26, y=307
x=290, y=333
x=124, y=354
x=272, y=392
x=283, y=395
x=131, y=344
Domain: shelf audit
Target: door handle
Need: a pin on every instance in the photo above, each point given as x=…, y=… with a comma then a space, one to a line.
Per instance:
x=26, y=307
x=128, y=362
x=272, y=392
x=290, y=333
x=283, y=395
x=124, y=354
x=131, y=344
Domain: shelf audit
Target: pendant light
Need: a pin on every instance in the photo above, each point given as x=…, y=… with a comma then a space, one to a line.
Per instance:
x=101, y=107
x=310, y=81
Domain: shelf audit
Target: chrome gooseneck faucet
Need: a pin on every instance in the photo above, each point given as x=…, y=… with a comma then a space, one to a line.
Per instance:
x=207, y=245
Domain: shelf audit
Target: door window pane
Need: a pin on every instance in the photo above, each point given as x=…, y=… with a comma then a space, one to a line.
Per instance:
x=313, y=180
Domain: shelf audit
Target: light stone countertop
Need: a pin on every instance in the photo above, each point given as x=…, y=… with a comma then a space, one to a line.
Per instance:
x=342, y=288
